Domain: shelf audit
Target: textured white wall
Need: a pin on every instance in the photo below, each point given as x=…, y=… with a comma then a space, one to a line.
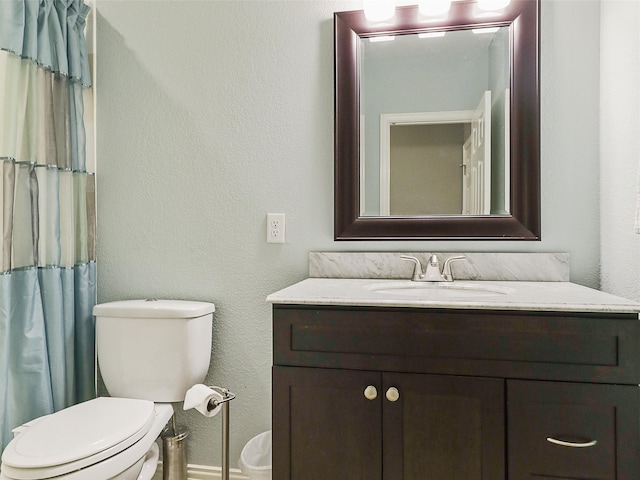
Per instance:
x=620, y=146
x=213, y=113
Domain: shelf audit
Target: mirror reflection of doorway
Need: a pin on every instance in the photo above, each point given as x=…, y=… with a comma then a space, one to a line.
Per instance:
x=436, y=163
x=426, y=172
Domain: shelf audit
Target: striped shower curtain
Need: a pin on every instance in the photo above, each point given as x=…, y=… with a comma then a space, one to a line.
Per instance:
x=47, y=211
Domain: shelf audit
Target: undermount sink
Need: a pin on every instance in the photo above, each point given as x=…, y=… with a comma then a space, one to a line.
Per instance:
x=438, y=290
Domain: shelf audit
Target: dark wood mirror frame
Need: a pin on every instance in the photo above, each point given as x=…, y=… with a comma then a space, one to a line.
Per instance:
x=524, y=222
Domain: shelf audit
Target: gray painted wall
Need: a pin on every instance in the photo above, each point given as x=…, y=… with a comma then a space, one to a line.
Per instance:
x=425, y=177
x=620, y=147
x=213, y=113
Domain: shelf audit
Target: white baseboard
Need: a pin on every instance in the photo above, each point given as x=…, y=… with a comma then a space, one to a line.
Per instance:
x=205, y=472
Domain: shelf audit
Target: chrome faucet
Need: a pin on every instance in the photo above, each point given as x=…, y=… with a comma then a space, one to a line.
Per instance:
x=432, y=272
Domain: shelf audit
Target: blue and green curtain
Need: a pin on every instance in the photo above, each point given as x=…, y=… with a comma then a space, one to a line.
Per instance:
x=47, y=211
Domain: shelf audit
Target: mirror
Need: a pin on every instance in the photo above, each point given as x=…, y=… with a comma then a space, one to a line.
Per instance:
x=438, y=137
x=439, y=149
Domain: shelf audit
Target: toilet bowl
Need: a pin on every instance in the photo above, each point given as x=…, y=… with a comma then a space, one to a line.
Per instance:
x=149, y=353
x=103, y=438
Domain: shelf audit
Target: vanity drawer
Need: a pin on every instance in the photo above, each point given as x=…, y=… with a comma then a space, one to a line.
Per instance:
x=572, y=431
x=529, y=345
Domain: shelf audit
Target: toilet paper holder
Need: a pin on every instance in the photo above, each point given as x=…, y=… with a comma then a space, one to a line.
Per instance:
x=217, y=399
x=227, y=396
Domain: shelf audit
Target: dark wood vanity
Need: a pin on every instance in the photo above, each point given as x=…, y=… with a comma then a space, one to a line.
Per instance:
x=396, y=393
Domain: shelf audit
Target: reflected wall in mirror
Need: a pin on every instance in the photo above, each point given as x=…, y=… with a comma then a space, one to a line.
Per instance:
x=437, y=130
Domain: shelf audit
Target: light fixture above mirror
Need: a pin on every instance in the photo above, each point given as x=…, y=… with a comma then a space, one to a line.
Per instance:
x=379, y=10
x=383, y=10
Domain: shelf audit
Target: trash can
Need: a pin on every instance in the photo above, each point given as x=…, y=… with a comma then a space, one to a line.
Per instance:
x=255, y=458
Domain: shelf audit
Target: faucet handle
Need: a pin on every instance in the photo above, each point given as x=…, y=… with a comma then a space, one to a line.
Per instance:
x=417, y=270
x=446, y=268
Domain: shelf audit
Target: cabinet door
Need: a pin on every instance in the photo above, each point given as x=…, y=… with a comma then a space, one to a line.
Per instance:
x=324, y=427
x=573, y=431
x=441, y=427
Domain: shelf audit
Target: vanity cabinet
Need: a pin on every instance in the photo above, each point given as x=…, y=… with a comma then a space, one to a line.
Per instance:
x=394, y=393
x=374, y=425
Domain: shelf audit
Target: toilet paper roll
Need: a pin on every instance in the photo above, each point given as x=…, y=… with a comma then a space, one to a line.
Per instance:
x=199, y=396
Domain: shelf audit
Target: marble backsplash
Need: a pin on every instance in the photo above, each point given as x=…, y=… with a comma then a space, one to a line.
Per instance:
x=530, y=267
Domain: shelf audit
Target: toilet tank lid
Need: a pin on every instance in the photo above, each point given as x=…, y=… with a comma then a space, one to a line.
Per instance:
x=153, y=308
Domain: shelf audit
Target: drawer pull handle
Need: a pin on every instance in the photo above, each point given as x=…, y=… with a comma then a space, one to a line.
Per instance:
x=392, y=394
x=572, y=444
x=370, y=393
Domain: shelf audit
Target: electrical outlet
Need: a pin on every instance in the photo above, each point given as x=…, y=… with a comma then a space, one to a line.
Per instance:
x=275, y=227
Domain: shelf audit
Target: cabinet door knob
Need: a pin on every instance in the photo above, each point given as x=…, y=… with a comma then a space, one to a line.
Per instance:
x=392, y=394
x=370, y=393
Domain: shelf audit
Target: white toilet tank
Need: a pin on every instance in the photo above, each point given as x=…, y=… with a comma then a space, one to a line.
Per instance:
x=153, y=349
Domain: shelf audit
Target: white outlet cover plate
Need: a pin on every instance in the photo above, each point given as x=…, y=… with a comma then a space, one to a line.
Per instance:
x=275, y=228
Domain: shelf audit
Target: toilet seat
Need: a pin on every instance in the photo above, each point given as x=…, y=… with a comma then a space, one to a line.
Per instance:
x=107, y=435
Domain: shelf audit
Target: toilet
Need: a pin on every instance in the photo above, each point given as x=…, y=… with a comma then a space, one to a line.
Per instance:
x=150, y=352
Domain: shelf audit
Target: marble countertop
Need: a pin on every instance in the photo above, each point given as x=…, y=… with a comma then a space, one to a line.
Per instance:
x=493, y=295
